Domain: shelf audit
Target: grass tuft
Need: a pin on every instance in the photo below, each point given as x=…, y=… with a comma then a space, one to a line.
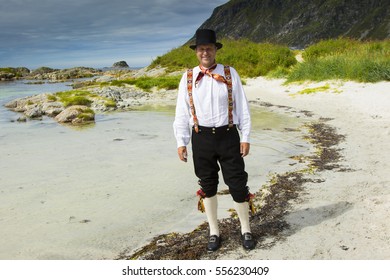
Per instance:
x=75, y=97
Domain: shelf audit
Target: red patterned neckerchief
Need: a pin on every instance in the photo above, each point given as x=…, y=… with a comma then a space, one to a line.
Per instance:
x=208, y=71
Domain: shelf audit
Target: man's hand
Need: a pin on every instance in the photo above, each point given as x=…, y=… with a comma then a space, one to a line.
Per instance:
x=244, y=149
x=182, y=152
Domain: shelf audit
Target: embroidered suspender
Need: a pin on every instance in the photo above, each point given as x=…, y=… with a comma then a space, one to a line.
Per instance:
x=228, y=78
x=189, y=88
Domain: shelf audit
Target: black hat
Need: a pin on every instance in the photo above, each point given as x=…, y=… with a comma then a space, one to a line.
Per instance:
x=204, y=37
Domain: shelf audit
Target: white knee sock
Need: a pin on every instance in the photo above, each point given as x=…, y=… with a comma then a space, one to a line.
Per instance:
x=211, y=206
x=243, y=214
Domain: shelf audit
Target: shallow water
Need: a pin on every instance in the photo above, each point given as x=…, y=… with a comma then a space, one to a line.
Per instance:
x=91, y=193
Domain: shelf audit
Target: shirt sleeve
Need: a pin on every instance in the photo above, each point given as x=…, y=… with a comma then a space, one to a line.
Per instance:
x=241, y=106
x=181, y=126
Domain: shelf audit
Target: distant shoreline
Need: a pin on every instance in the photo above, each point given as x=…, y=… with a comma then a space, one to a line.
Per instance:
x=57, y=74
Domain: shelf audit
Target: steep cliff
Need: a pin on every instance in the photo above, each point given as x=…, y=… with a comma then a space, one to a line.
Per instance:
x=298, y=23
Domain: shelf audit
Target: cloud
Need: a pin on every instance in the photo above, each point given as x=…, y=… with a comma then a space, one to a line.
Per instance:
x=57, y=32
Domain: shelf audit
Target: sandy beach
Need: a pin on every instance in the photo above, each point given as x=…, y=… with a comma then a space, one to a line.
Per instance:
x=347, y=214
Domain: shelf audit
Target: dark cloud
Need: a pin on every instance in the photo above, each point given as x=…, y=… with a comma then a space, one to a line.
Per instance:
x=95, y=32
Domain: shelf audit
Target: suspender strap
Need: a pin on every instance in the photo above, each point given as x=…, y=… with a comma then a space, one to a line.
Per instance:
x=229, y=84
x=189, y=88
x=228, y=78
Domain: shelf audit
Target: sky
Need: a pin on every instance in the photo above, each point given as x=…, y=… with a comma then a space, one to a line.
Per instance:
x=96, y=33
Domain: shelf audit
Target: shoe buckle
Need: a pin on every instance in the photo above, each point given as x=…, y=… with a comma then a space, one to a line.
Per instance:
x=213, y=239
x=247, y=236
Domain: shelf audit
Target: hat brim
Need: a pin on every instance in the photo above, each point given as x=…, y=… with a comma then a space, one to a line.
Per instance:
x=218, y=45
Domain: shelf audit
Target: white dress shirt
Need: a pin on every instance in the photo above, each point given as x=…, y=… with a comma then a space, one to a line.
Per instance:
x=211, y=105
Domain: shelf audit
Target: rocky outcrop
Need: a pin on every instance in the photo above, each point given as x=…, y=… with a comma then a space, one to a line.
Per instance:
x=120, y=64
x=36, y=106
x=45, y=73
x=11, y=73
x=124, y=97
x=7, y=76
x=102, y=99
x=301, y=23
x=23, y=104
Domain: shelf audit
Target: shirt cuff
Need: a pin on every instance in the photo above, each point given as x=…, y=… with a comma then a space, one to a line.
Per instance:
x=245, y=139
x=182, y=142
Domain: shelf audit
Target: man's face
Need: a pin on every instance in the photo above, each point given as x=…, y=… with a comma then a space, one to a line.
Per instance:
x=206, y=54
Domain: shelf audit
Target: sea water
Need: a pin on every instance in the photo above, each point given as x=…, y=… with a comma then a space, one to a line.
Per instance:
x=92, y=193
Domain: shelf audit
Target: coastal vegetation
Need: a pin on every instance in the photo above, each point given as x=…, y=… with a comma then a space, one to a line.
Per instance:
x=80, y=97
x=74, y=97
x=248, y=58
x=344, y=59
x=85, y=115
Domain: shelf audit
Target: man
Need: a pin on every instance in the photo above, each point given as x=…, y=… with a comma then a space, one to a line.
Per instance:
x=212, y=101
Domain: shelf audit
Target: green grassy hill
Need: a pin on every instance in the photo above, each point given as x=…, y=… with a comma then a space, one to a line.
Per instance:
x=345, y=59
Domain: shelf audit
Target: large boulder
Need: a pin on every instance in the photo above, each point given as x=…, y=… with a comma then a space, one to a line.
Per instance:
x=76, y=114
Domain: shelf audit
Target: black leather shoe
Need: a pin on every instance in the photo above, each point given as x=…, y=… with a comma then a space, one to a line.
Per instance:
x=247, y=241
x=214, y=243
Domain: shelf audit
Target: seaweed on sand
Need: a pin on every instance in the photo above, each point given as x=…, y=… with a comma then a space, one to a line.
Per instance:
x=325, y=139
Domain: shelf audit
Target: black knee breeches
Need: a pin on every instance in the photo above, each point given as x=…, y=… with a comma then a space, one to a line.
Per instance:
x=219, y=145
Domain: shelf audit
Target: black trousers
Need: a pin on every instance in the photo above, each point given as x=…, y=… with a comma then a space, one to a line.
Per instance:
x=211, y=146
